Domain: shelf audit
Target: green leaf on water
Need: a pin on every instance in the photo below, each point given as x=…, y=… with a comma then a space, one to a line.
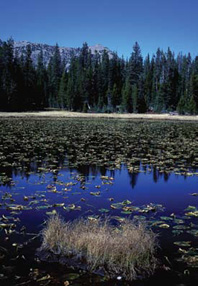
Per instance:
x=181, y=227
x=58, y=205
x=126, y=202
x=193, y=213
x=43, y=207
x=194, y=232
x=164, y=225
x=178, y=221
x=119, y=218
x=166, y=218
x=96, y=194
x=139, y=217
x=54, y=212
x=93, y=217
x=157, y=222
x=126, y=212
x=183, y=243
x=177, y=232
x=116, y=206
x=103, y=210
x=190, y=208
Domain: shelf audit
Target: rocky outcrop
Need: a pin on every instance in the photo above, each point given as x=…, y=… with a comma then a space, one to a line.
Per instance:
x=65, y=52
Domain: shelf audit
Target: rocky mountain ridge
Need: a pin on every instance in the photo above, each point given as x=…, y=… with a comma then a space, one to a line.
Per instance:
x=48, y=50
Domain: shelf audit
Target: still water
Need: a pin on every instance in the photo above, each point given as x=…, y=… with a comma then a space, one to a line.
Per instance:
x=143, y=170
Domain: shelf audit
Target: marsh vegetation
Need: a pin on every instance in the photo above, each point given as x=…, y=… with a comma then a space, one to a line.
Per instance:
x=126, y=250
x=90, y=169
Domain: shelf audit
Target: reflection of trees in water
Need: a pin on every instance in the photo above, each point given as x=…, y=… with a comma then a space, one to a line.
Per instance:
x=59, y=163
x=39, y=161
x=133, y=179
x=156, y=175
x=42, y=162
x=54, y=165
x=93, y=148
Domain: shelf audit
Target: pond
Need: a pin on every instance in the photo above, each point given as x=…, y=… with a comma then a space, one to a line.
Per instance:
x=145, y=170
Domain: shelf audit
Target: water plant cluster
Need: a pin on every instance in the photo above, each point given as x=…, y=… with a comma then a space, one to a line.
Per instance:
x=69, y=167
x=42, y=145
x=127, y=250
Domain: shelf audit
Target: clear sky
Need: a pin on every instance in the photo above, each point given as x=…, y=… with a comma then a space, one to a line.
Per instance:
x=116, y=24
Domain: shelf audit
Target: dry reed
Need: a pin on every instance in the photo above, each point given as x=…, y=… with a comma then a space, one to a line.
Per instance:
x=127, y=250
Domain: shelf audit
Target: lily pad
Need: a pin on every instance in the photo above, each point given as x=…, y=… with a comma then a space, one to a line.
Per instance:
x=164, y=225
x=126, y=212
x=177, y=232
x=96, y=194
x=103, y=210
x=183, y=243
x=183, y=227
x=194, y=232
x=53, y=212
x=126, y=202
x=167, y=218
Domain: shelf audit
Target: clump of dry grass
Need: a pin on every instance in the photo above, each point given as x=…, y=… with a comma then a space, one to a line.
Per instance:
x=127, y=250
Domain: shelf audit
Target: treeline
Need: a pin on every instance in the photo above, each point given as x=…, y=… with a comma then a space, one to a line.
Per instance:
x=99, y=83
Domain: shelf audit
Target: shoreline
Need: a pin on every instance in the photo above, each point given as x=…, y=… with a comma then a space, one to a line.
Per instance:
x=69, y=114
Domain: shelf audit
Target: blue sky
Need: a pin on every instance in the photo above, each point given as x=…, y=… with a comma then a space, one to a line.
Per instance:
x=112, y=23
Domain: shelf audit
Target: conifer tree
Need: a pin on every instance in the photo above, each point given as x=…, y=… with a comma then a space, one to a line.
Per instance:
x=8, y=83
x=30, y=80
x=191, y=106
x=135, y=98
x=55, y=72
x=115, y=97
x=127, y=103
x=148, y=80
x=62, y=91
x=41, y=82
x=135, y=65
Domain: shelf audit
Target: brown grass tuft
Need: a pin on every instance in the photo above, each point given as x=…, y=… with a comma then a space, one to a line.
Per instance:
x=127, y=250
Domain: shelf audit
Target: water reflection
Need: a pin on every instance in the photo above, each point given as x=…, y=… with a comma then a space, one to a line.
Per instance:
x=40, y=159
x=86, y=171
x=94, y=147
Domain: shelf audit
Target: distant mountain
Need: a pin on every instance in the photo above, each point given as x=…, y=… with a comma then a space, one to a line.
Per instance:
x=65, y=52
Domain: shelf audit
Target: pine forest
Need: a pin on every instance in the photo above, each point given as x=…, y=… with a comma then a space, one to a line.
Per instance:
x=162, y=82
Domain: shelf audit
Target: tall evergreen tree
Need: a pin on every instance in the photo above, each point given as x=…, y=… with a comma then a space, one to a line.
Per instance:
x=135, y=65
x=127, y=102
x=29, y=80
x=54, y=76
x=135, y=98
x=41, y=75
x=62, y=91
x=8, y=84
x=148, y=80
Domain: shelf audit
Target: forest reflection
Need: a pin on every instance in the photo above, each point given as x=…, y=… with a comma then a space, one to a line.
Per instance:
x=85, y=171
x=95, y=147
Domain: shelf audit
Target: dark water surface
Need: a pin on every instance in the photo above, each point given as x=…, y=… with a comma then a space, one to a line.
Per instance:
x=145, y=170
